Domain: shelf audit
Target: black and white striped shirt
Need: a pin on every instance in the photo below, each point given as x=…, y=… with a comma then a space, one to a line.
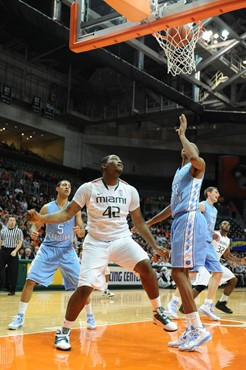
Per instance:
x=11, y=237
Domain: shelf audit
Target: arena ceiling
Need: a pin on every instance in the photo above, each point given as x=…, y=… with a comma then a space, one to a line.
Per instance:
x=103, y=79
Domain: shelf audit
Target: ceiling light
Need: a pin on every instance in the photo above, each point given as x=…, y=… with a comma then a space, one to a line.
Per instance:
x=207, y=35
x=225, y=34
x=30, y=136
x=3, y=128
x=244, y=61
x=215, y=41
x=22, y=134
x=216, y=36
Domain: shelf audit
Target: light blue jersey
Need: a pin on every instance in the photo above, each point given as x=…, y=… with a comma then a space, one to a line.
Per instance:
x=185, y=191
x=56, y=252
x=212, y=263
x=210, y=214
x=59, y=235
x=189, y=227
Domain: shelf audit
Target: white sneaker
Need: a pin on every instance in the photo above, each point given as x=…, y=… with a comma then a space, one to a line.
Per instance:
x=62, y=340
x=107, y=293
x=181, y=340
x=207, y=309
x=160, y=319
x=17, y=322
x=91, y=322
x=172, y=308
x=195, y=337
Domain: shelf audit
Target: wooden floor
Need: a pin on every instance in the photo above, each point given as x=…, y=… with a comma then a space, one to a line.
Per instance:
x=125, y=337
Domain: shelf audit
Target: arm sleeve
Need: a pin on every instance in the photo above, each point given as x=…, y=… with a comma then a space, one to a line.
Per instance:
x=83, y=194
x=135, y=201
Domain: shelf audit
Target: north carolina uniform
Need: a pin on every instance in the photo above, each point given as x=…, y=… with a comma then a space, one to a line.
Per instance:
x=219, y=247
x=109, y=237
x=55, y=252
x=212, y=263
x=188, y=232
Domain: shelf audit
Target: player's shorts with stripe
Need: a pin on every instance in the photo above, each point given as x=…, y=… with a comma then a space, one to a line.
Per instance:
x=48, y=260
x=203, y=276
x=96, y=255
x=188, y=240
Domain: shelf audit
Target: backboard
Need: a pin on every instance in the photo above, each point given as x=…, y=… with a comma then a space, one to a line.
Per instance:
x=95, y=24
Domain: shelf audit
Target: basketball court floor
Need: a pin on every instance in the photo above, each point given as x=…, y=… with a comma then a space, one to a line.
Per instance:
x=125, y=337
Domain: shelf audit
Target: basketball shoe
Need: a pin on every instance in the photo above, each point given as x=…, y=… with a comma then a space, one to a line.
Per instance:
x=195, y=337
x=223, y=307
x=107, y=293
x=181, y=340
x=62, y=339
x=207, y=309
x=91, y=322
x=17, y=322
x=172, y=308
x=160, y=319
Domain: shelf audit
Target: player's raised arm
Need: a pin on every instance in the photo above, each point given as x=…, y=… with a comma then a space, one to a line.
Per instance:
x=190, y=149
x=54, y=218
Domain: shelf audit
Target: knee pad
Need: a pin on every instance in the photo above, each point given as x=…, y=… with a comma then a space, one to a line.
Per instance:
x=200, y=288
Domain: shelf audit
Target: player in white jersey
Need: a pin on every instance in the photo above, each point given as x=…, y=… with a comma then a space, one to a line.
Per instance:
x=221, y=245
x=108, y=200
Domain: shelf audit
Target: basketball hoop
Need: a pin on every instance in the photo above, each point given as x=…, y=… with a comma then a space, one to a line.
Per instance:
x=179, y=45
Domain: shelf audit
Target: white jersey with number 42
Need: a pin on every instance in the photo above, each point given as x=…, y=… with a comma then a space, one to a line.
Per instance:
x=221, y=245
x=107, y=208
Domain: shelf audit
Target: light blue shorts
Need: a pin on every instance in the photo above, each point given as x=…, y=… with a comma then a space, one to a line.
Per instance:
x=188, y=240
x=212, y=262
x=48, y=260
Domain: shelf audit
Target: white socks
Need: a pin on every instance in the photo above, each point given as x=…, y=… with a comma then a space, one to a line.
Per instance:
x=156, y=303
x=88, y=308
x=224, y=298
x=67, y=324
x=193, y=319
x=23, y=307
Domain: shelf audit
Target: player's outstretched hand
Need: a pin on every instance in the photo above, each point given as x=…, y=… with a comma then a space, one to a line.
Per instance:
x=183, y=125
x=77, y=230
x=34, y=235
x=163, y=252
x=33, y=216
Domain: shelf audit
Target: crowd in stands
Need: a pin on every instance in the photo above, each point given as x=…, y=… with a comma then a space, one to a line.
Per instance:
x=23, y=187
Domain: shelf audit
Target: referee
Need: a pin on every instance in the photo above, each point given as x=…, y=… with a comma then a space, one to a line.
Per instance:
x=11, y=238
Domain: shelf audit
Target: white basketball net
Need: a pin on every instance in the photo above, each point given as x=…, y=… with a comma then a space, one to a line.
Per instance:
x=180, y=51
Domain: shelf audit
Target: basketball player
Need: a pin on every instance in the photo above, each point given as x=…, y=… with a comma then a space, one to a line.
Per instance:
x=108, y=201
x=212, y=263
x=222, y=247
x=55, y=252
x=188, y=236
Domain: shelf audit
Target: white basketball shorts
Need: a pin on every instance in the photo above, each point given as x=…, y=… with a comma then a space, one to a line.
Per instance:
x=96, y=255
x=203, y=276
